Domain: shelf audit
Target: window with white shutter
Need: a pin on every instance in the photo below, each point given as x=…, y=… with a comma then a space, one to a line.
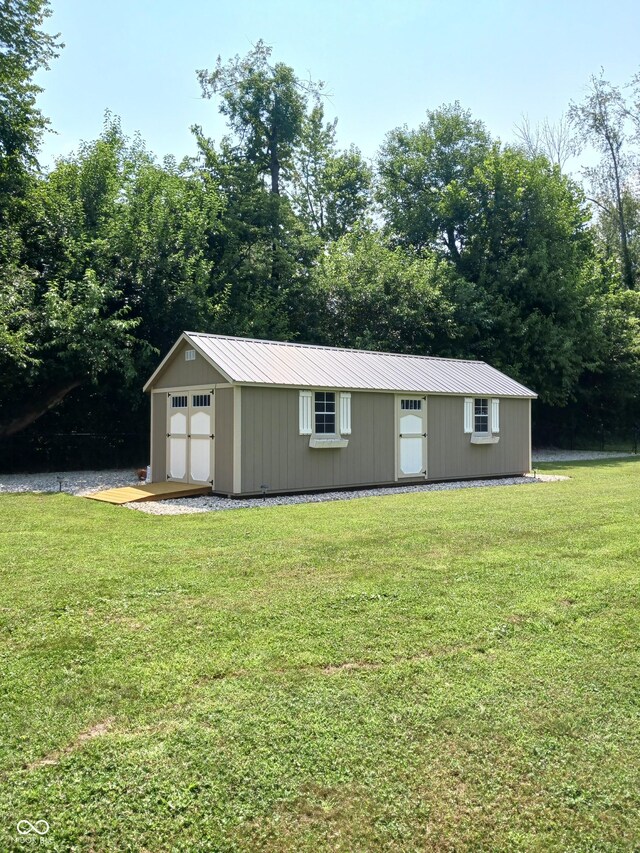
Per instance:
x=305, y=401
x=468, y=414
x=495, y=415
x=345, y=414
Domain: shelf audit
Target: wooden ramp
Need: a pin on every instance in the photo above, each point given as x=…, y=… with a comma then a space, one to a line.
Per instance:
x=150, y=492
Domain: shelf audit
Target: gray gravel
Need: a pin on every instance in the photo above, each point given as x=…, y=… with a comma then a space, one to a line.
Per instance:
x=213, y=503
x=574, y=455
x=79, y=483
x=82, y=483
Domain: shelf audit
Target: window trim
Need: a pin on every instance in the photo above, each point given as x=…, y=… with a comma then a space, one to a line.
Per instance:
x=335, y=433
x=482, y=414
x=307, y=425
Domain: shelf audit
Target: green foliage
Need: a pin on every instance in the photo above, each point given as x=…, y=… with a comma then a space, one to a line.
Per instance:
x=24, y=48
x=513, y=227
x=425, y=179
x=479, y=250
x=602, y=120
x=373, y=296
x=265, y=105
x=332, y=188
x=434, y=671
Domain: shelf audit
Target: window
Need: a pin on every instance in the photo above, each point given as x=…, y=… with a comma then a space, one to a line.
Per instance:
x=189, y=355
x=325, y=412
x=179, y=401
x=416, y=405
x=201, y=400
x=481, y=415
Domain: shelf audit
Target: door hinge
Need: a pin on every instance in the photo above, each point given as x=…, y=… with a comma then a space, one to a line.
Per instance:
x=424, y=435
x=212, y=435
x=168, y=435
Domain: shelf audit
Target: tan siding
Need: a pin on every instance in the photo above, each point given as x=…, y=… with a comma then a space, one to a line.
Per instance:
x=179, y=373
x=451, y=454
x=275, y=454
x=223, y=401
x=159, y=432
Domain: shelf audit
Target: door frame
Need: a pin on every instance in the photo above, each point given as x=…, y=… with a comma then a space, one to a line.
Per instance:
x=190, y=392
x=399, y=475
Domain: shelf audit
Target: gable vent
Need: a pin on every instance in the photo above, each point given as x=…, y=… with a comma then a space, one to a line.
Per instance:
x=189, y=355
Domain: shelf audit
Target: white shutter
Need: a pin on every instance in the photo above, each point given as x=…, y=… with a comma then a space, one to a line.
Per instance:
x=305, y=413
x=468, y=414
x=495, y=415
x=345, y=414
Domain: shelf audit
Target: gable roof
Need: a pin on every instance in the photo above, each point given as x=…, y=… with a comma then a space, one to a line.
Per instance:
x=258, y=362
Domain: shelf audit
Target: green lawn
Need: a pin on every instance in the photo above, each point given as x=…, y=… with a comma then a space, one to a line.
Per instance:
x=445, y=671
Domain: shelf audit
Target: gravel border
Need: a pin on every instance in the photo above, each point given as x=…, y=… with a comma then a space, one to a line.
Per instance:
x=79, y=483
x=83, y=483
x=550, y=455
x=214, y=503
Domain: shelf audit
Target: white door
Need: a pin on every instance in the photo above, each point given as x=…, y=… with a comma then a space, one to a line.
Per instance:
x=177, y=421
x=412, y=439
x=190, y=436
x=200, y=437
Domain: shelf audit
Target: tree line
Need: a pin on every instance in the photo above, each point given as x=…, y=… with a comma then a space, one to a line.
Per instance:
x=451, y=243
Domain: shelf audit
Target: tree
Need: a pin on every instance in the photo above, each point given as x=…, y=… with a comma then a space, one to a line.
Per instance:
x=75, y=325
x=601, y=120
x=370, y=295
x=265, y=105
x=168, y=218
x=263, y=250
x=513, y=228
x=331, y=188
x=555, y=141
x=424, y=179
x=24, y=48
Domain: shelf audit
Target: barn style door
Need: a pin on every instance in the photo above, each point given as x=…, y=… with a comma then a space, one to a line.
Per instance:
x=178, y=414
x=412, y=438
x=201, y=437
x=190, y=436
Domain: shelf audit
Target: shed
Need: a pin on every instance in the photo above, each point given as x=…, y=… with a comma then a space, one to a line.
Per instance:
x=247, y=416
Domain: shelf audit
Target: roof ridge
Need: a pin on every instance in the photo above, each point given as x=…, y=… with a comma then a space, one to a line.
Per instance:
x=337, y=349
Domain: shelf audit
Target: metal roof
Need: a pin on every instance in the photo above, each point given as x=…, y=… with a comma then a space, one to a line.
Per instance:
x=252, y=361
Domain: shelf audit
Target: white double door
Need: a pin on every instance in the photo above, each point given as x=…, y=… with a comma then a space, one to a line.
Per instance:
x=412, y=436
x=190, y=436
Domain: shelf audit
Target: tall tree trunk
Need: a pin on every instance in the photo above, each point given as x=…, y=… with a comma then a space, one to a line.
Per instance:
x=451, y=245
x=622, y=224
x=34, y=409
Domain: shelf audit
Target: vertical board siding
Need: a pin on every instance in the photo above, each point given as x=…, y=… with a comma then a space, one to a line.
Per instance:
x=451, y=454
x=276, y=455
x=159, y=432
x=223, y=475
x=178, y=372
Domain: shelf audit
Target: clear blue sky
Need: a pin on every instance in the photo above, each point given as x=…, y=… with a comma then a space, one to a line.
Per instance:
x=384, y=62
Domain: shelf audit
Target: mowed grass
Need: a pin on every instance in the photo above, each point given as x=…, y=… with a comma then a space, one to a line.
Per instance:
x=439, y=671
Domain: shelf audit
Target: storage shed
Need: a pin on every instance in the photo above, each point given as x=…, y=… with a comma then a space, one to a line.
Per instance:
x=248, y=416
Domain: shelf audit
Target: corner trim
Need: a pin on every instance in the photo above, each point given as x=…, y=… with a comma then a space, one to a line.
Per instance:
x=237, y=439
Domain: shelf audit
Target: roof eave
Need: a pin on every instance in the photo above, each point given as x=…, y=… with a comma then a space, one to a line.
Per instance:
x=185, y=336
